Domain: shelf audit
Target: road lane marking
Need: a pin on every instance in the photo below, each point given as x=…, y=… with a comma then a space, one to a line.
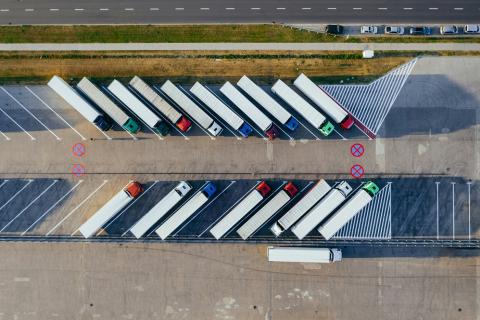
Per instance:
x=407, y=8
x=229, y=8
x=29, y=10
x=432, y=8
x=357, y=8
x=306, y=8
x=29, y=205
x=178, y=9
x=53, y=206
x=154, y=9
x=131, y=204
x=255, y=8
x=438, y=231
x=204, y=9
x=76, y=208
x=16, y=194
x=280, y=8
x=129, y=9
x=331, y=8
x=13, y=120
x=104, y=9
x=79, y=9
x=382, y=8
x=30, y=113
x=54, y=9
x=51, y=109
x=4, y=10
x=458, y=9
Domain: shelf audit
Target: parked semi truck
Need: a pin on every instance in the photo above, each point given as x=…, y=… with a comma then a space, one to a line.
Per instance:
x=72, y=97
x=186, y=211
x=187, y=105
x=313, y=196
x=304, y=255
x=178, y=119
x=324, y=101
x=268, y=103
x=267, y=211
x=322, y=210
x=248, y=108
x=110, y=209
x=348, y=210
x=240, y=210
x=160, y=209
x=305, y=109
x=106, y=104
x=138, y=107
x=217, y=106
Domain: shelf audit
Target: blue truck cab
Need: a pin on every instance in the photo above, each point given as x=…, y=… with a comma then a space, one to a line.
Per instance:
x=245, y=130
x=209, y=190
x=103, y=123
x=292, y=124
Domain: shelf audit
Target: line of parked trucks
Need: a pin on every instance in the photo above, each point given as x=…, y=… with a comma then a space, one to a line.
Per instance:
x=323, y=207
x=159, y=108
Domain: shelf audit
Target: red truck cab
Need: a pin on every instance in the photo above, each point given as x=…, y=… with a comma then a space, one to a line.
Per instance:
x=272, y=133
x=347, y=123
x=291, y=189
x=184, y=124
x=263, y=188
x=133, y=189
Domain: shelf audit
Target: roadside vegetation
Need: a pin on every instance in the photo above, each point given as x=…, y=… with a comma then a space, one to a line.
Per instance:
x=329, y=67
x=190, y=33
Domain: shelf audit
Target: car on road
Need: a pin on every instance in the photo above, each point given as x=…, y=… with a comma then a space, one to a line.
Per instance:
x=420, y=31
x=368, y=30
x=333, y=29
x=471, y=28
x=448, y=29
x=394, y=30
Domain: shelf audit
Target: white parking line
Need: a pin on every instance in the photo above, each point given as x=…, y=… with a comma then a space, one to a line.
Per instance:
x=29, y=205
x=76, y=208
x=310, y=131
x=203, y=209
x=438, y=231
x=18, y=125
x=3, y=183
x=53, y=206
x=469, y=184
x=51, y=109
x=343, y=138
x=5, y=136
x=453, y=210
x=228, y=210
x=30, y=113
x=131, y=204
x=16, y=194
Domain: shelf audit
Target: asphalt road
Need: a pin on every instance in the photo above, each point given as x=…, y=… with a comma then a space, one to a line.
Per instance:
x=247, y=11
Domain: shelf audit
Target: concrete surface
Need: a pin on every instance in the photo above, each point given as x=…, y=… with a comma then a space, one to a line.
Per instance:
x=249, y=11
x=137, y=281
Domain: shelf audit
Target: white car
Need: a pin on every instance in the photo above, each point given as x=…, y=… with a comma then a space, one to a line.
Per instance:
x=448, y=29
x=394, y=30
x=471, y=28
x=368, y=29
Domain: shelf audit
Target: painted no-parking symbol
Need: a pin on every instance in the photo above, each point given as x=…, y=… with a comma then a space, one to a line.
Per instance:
x=357, y=171
x=357, y=150
x=79, y=149
x=78, y=170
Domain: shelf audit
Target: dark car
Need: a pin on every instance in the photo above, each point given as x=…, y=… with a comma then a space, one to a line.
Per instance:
x=420, y=31
x=334, y=29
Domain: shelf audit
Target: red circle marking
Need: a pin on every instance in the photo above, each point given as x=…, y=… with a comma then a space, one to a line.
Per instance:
x=357, y=150
x=79, y=149
x=357, y=171
x=78, y=170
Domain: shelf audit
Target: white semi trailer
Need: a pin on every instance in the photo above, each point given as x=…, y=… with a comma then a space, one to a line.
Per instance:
x=107, y=105
x=267, y=211
x=78, y=103
x=324, y=101
x=348, y=210
x=110, y=209
x=268, y=103
x=160, y=209
x=248, y=108
x=322, y=210
x=305, y=109
x=187, y=105
x=180, y=121
x=186, y=211
x=138, y=107
x=240, y=210
x=313, y=196
x=303, y=255
x=217, y=106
